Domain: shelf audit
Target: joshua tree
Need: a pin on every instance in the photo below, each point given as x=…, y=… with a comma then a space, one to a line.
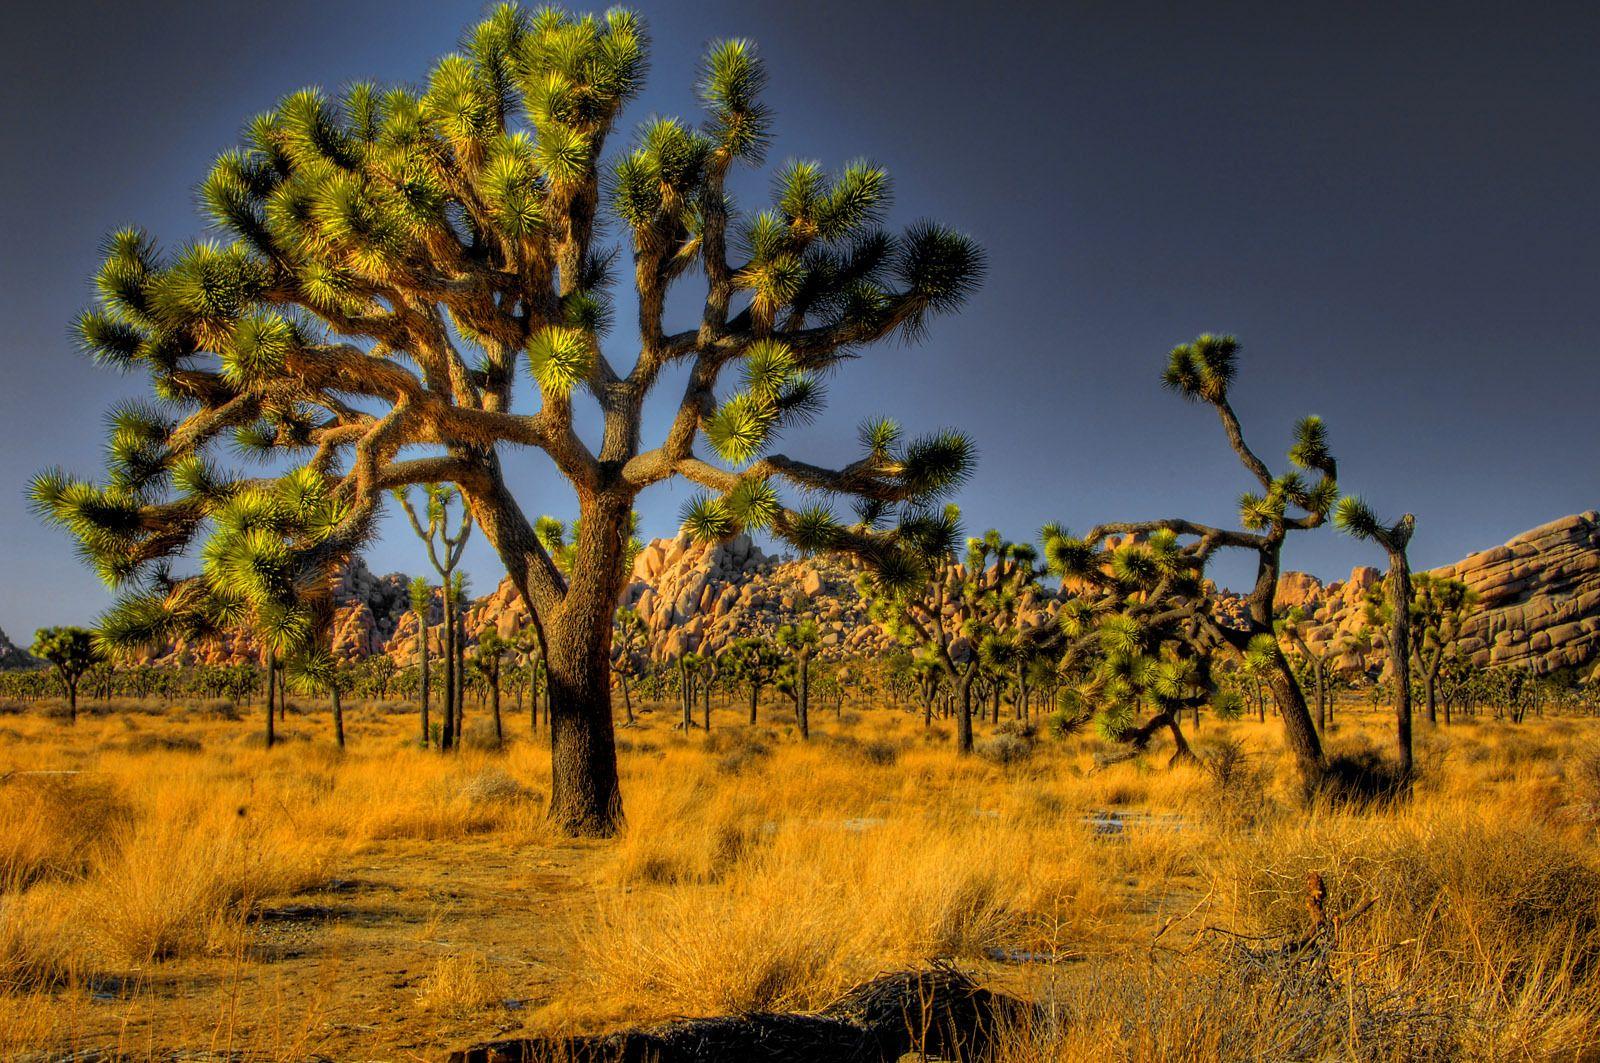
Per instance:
x=1203, y=371
x=71, y=652
x=799, y=641
x=444, y=553
x=1439, y=608
x=1355, y=519
x=456, y=602
x=690, y=667
x=406, y=266
x=628, y=644
x=755, y=662
x=318, y=671
x=491, y=652
x=422, y=606
x=955, y=614
x=1319, y=659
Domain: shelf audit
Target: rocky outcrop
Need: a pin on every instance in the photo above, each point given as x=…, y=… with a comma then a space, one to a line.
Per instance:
x=12, y=657
x=701, y=596
x=1538, y=601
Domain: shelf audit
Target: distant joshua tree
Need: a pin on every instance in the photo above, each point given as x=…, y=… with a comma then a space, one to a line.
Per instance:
x=444, y=553
x=421, y=600
x=72, y=653
x=1319, y=659
x=799, y=641
x=629, y=643
x=1439, y=609
x=1357, y=520
x=755, y=662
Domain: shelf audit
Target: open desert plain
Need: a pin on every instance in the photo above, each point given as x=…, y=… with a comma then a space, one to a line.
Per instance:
x=773, y=533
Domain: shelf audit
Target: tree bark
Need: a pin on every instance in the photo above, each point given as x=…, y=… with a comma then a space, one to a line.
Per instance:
x=755, y=698
x=427, y=739
x=338, y=716
x=447, y=737
x=1400, y=654
x=272, y=699
x=964, y=715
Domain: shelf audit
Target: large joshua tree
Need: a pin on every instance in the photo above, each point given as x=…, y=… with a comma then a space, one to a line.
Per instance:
x=412, y=282
x=1203, y=372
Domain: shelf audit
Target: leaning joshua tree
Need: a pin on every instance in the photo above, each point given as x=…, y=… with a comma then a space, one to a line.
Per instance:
x=1356, y=519
x=1203, y=371
x=413, y=281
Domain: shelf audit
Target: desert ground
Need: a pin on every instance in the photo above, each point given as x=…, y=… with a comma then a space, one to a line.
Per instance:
x=172, y=887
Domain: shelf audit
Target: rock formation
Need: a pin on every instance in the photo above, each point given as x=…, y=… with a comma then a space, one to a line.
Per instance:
x=1538, y=599
x=11, y=656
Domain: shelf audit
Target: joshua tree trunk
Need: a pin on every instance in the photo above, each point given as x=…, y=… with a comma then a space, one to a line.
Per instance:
x=627, y=698
x=447, y=737
x=1400, y=653
x=802, y=705
x=338, y=717
x=584, y=798
x=272, y=700
x=964, y=716
x=755, y=698
x=426, y=737
x=494, y=706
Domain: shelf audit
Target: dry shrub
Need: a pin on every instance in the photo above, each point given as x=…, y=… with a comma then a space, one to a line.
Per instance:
x=493, y=786
x=178, y=885
x=35, y=942
x=738, y=749
x=54, y=825
x=462, y=985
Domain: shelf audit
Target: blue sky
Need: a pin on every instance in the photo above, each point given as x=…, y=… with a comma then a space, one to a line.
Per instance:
x=1391, y=205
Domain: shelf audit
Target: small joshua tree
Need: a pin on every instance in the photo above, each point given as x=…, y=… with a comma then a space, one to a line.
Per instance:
x=799, y=642
x=755, y=662
x=318, y=671
x=72, y=653
x=1357, y=520
x=486, y=661
x=1319, y=658
x=1439, y=609
x=421, y=601
x=628, y=646
x=947, y=609
x=425, y=267
x=444, y=553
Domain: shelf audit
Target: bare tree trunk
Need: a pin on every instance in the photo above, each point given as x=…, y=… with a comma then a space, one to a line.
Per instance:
x=494, y=705
x=1400, y=654
x=426, y=737
x=272, y=700
x=447, y=633
x=338, y=716
x=802, y=705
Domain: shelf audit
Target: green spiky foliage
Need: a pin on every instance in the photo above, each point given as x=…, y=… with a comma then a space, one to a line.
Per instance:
x=1357, y=520
x=1298, y=499
x=71, y=653
x=406, y=281
x=960, y=613
x=560, y=540
x=1137, y=638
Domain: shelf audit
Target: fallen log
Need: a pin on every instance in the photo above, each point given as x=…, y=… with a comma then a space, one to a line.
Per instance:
x=939, y=1012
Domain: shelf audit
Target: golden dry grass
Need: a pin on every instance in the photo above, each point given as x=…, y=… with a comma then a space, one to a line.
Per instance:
x=172, y=885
